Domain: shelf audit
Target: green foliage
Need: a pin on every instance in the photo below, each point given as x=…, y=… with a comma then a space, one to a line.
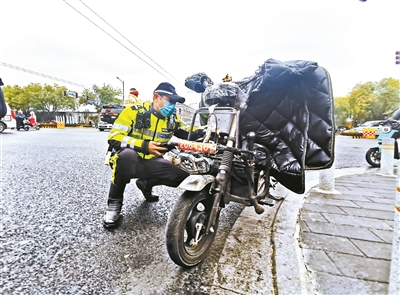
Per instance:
x=86, y=94
x=368, y=101
x=15, y=97
x=50, y=99
x=342, y=109
x=106, y=94
x=45, y=98
x=387, y=99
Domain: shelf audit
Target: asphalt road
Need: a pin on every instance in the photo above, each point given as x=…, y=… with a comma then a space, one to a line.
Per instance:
x=54, y=188
x=350, y=152
x=53, y=191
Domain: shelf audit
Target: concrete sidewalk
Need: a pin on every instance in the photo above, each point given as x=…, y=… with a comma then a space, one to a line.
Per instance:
x=315, y=243
x=346, y=238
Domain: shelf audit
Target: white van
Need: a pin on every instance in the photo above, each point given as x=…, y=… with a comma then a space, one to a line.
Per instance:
x=8, y=122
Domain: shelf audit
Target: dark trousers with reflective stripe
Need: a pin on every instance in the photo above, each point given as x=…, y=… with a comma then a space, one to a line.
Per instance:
x=157, y=171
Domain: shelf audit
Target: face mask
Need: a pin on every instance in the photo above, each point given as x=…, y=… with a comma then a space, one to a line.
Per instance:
x=168, y=108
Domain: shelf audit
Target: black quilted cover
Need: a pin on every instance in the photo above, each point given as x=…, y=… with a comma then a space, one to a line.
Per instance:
x=290, y=107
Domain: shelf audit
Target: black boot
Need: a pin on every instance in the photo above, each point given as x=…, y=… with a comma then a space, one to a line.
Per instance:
x=146, y=186
x=112, y=218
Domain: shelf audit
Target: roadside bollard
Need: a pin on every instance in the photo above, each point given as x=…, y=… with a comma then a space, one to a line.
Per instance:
x=387, y=158
x=394, y=280
x=327, y=181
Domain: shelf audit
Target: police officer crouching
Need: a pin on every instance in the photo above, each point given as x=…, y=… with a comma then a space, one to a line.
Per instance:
x=135, y=141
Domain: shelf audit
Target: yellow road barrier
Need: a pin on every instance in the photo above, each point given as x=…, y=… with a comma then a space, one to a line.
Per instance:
x=369, y=133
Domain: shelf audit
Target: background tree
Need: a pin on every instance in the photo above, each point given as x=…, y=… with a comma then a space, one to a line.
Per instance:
x=106, y=94
x=14, y=96
x=87, y=94
x=342, y=110
x=51, y=99
x=387, y=98
x=45, y=98
x=368, y=101
x=99, y=95
x=360, y=97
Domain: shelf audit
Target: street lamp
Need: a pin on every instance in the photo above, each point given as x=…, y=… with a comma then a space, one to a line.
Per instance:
x=123, y=91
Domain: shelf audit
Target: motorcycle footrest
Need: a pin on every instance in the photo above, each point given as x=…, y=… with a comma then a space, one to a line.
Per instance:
x=275, y=197
x=267, y=201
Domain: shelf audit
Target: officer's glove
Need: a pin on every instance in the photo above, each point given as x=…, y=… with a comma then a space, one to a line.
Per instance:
x=198, y=134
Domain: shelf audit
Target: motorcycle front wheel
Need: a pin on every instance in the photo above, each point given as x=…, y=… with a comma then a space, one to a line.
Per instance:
x=187, y=242
x=373, y=157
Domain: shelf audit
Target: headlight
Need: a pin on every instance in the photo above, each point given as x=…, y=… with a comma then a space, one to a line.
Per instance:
x=194, y=165
x=386, y=129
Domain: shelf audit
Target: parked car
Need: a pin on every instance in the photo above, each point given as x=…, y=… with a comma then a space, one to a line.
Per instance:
x=104, y=125
x=370, y=125
x=359, y=130
x=8, y=122
x=109, y=113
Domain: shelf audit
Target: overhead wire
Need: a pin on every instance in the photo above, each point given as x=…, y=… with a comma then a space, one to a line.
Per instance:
x=112, y=37
x=42, y=75
x=130, y=42
x=83, y=86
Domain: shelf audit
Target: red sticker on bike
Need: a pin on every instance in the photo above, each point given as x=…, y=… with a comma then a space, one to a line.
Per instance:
x=208, y=148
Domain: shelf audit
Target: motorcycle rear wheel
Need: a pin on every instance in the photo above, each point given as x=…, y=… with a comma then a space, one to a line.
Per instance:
x=373, y=157
x=190, y=209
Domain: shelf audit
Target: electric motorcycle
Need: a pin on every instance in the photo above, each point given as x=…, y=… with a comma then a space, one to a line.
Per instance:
x=391, y=129
x=224, y=167
x=23, y=122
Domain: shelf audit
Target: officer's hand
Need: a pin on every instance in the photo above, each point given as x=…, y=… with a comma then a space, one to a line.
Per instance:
x=155, y=148
x=199, y=133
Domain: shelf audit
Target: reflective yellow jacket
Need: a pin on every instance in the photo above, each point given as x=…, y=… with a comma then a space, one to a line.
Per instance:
x=131, y=100
x=126, y=134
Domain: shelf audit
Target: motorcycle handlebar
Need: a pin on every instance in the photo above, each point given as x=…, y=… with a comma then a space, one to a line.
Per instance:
x=389, y=121
x=396, y=115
